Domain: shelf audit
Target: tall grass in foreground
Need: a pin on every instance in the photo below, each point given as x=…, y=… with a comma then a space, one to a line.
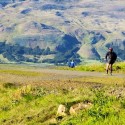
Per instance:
x=35, y=105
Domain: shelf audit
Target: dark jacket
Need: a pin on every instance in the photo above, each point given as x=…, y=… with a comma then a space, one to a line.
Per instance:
x=112, y=56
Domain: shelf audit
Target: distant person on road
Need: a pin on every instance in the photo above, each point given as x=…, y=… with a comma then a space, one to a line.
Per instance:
x=110, y=57
x=72, y=64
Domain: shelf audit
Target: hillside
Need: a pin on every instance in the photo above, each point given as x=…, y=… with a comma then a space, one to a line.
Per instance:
x=72, y=29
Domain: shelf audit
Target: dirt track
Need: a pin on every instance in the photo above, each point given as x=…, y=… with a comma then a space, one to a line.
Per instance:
x=45, y=75
x=67, y=73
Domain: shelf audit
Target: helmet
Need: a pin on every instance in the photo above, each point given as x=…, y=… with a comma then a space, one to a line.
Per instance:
x=111, y=49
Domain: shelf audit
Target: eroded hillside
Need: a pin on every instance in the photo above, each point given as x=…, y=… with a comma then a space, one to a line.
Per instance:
x=72, y=29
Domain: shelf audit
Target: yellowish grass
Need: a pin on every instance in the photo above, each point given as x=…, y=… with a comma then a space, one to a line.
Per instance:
x=105, y=81
x=21, y=73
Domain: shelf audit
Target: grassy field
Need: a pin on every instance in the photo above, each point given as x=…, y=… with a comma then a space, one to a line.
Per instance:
x=118, y=67
x=28, y=98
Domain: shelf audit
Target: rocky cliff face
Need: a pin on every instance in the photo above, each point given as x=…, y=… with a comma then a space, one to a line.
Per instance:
x=72, y=28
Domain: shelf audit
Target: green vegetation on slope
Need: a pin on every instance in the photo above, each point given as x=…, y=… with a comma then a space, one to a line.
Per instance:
x=69, y=27
x=17, y=53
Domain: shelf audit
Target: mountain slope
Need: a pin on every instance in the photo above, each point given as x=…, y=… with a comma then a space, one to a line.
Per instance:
x=76, y=29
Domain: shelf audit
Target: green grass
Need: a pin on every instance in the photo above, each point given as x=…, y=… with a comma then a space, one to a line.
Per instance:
x=37, y=104
x=117, y=67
